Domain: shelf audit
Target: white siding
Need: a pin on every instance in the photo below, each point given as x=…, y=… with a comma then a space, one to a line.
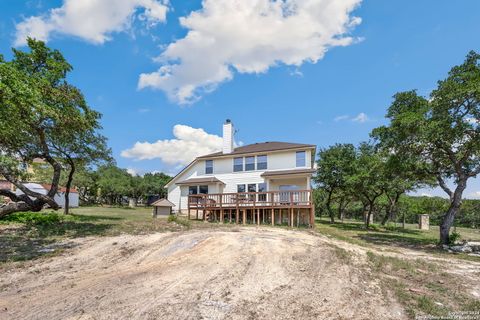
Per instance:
x=223, y=170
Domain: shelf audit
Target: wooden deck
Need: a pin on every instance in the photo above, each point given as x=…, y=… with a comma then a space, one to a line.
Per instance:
x=269, y=207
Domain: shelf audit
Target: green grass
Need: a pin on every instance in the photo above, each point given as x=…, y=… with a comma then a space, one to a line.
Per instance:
x=393, y=236
x=25, y=236
x=420, y=286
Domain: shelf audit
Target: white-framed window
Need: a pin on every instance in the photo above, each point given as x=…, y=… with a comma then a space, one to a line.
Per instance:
x=241, y=188
x=262, y=162
x=300, y=159
x=249, y=163
x=238, y=164
x=198, y=189
x=192, y=190
x=208, y=166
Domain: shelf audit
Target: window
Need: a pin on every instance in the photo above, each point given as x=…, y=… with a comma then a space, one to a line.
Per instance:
x=262, y=187
x=252, y=187
x=237, y=164
x=300, y=158
x=192, y=190
x=249, y=163
x=208, y=166
x=261, y=162
x=203, y=189
x=240, y=188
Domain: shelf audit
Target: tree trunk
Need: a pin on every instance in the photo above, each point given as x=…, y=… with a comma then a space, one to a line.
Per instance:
x=66, y=207
x=369, y=214
x=329, y=208
x=449, y=217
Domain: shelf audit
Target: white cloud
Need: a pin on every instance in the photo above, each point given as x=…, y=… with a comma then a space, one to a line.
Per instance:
x=248, y=36
x=91, y=20
x=342, y=117
x=188, y=144
x=143, y=110
x=361, y=117
x=475, y=195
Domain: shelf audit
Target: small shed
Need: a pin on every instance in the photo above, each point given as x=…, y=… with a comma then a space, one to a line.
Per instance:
x=162, y=207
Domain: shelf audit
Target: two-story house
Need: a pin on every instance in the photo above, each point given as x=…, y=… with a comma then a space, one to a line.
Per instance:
x=265, y=182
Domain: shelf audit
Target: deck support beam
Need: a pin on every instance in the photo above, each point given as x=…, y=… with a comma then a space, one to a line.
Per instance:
x=273, y=216
x=244, y=220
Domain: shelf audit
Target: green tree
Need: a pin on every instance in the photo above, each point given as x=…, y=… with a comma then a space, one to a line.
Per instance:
x=334, y=166
x=442, y=132
x=39, y=110
x=114, y=183
x=368, y=180
x=154, y=184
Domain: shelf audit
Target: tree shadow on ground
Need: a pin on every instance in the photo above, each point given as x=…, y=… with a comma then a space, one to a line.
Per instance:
x=26, y=242
x=389, y=236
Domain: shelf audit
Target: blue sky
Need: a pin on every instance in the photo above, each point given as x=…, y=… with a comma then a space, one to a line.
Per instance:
x=336, y=90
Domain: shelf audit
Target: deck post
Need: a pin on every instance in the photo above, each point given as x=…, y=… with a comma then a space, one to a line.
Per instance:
x=244, y=216
x=189, y=211
x=258, y=216
x=237, y=213
x=291, y=217
x=312, y=215
x=273, y=216
x=298, y=218
x=221, y=215
x=204, y=215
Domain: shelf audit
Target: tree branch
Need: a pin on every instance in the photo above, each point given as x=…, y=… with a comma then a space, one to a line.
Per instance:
x=444, y=186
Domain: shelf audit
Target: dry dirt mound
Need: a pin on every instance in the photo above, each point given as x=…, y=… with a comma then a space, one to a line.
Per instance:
x=241, y=274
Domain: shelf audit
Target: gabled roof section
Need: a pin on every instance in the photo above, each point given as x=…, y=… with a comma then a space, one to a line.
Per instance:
x=261, y=147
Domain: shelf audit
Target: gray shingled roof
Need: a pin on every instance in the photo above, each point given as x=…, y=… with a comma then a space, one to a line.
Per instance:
x=260, y=147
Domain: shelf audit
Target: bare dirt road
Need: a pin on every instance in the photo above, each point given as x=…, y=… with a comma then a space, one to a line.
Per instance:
x=243, y=273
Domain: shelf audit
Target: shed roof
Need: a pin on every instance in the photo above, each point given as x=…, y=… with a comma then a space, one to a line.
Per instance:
x=163, y=203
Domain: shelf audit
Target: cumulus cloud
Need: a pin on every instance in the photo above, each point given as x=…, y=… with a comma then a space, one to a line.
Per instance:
x=188, y=144
x=91, y=20
x=248, y=36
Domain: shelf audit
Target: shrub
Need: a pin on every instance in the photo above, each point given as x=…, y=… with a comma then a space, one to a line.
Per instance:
x=34, y=218
x=454, y=237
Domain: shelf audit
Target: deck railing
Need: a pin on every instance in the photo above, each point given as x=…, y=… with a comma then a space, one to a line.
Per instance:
x=273, y=199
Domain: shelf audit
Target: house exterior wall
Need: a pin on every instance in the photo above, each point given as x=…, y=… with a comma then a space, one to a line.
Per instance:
x=223, y=171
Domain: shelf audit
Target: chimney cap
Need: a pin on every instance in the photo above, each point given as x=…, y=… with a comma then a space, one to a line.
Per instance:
x=228, y=121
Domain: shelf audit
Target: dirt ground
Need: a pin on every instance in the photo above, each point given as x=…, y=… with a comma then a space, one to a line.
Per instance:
x=243, y=273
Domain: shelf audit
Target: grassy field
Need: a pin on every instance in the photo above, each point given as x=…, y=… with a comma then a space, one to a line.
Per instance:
x=24, y=241
x=391, y=236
